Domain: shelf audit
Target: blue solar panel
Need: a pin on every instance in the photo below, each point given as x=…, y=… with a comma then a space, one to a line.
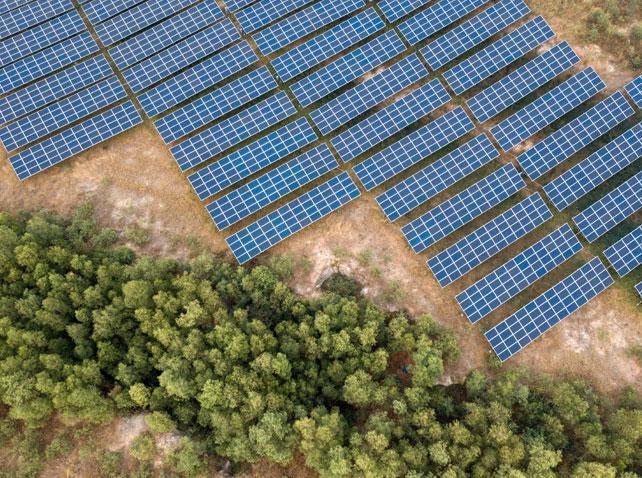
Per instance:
x=516, y=275
x=100, y=10
x=42, y=36
x=348, y=68
x=165, y=34
x=197, y=79
x=463, y=208
x=46, y=61
x=605, y=163
x=638, y=288
x=490, y=239
x=75, y=140
x=575, y=135
x=30, y=15
x=236, y=5
x=626, y=254
x=252, y=158
x=523, y=81
x=59, y=115
x=634, y=89
x=303, y=23
x=272, y=186
x=413, y=148
x=210, y=107
x=265, y=12
x=180, y=55
x=437, y=17
x=390, y=120
x=395, y=9
x=53, y=88
x=327, y=44
x=292, y=217
x=232, y=131
x=547, y=108
x=471, y=33
x=612, y=209
x=440, y=175
x=498, y=55
x=537, y=317
x=11, y=4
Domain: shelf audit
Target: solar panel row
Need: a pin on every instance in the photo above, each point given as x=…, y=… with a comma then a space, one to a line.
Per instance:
x=236, y=5
x=498, y=55
x=395, y=9
x=638, y=288
x=490, y=239
x=100, y=10
x=265, y=12
x=30, y=15
x=463, y=208
x=575, y=135
x=440, y=175
x=11, y=4
x=292, y=217
x=634, y=89
x=605, y=163
x=386, y=122
x=626, y=254
x=537, y=317
x=413, y=148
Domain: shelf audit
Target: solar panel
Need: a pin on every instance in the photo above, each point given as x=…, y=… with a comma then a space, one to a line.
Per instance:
x=52, y=88
x=59, y=115
x=197, y=79
x=473, y=32
x=638, y=288
x=347, y=106
x=463, y=208
x=437, y=17
x=265, y=12
x=549, y=309
x=327, y=44
x=575, y=135
x=42, y=36
x=100, y=10
x=395, y=9
x=610, y=210
x=30, y=15
x=516, y=275
x=46, y=61
x=251, y=158
x=234, y=130
x=605, y=163
x=236, y=5
x=292, y=217
x=75, y=140
x=181, y=55
x=272, y=186
x=165, y=34
x=634, y=89
x=348, y=68
x=498, y=55
x=547, y=108
x=440, y=175
x=11, y=4
x=413, y=148
x=626, y=254
x=386, y=122
x=303, y=23
x=490, y=239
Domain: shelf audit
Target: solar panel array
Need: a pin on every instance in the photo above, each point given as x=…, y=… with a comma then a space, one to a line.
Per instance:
x=638, y=288
x=30, y=15
x=266, y=11
x=634, y=89
x=100, y=10
x=395, y=9
x=626, y=254
x=11, y=4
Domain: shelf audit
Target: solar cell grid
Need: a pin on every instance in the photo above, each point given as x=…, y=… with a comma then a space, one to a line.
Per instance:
x=75, y=140
x=575, y=135
x=348, y=68
x=521, y=82
x=338, y=111
x=638, y=288
x=498, y=55
x=30, y=15
x=327, y=44
x=100, y=10
x=236, y=5
x=519, y=273
x=252, y=158
x=239, y=127
x=605, y=163
x=634, y=89
x=272, y=186
x=292, y=217
x=11, y=4
x=386, y=122
x=413, y=148
x=265, y=12
x=537, y=317
x=395, y=9
x=490, y=239
x=473, y=32
x=626, y=254
x=463, y=208
x=547, y=108
x=610, y=210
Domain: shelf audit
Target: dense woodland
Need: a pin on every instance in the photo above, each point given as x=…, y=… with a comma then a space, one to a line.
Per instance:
x=249, y=371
